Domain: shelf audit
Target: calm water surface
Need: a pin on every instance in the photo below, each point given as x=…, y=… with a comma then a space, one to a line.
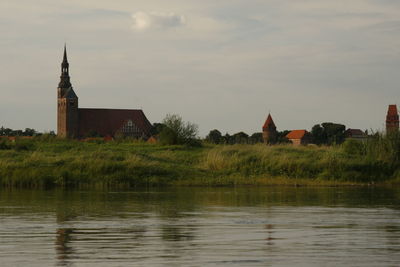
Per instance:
x=276, y=226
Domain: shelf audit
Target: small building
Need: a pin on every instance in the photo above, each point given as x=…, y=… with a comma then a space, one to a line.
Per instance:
x=269, y=131
x=355, y=134
x=299, y=137
x=392, y=119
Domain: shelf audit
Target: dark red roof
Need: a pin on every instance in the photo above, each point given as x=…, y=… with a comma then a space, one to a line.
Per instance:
x=297, y=134
x=269, y=123
x=107, y=122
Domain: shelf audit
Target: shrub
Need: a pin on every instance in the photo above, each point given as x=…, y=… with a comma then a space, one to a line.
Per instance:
x=46, y=137
x=354, y=147
x=168, y=137
x=21, y=145
x=176, y=131
x=4, y=144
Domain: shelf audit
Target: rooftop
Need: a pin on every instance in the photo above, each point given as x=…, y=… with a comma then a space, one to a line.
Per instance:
x=269, y=123
x=297, y=134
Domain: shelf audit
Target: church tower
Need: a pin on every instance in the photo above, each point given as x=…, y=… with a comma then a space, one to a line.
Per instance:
x=269, y=131
x=67, y=104
x=392, y=119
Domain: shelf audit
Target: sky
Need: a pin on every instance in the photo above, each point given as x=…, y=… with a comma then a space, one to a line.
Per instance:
x=220, y=64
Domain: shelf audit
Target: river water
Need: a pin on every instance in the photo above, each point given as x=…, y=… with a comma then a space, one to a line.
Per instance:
x=249, y=226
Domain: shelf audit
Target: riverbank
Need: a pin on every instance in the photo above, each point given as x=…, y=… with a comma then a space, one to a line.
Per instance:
x=65, y=163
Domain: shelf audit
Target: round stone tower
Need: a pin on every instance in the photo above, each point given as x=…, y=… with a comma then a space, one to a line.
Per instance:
x=269, y=131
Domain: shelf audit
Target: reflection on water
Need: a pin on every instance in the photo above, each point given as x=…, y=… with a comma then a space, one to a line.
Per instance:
x=201, y=226
x=63, y=248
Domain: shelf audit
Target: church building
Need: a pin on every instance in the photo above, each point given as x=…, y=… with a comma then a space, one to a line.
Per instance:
x=75, y=122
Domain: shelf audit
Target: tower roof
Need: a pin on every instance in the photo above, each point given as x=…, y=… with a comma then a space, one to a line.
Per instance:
x=65, y=79
x=269, y=123
x=65, y=59
x=297, y=134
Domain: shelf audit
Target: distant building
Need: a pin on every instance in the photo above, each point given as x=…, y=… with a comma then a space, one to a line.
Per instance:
x=75, y=122
x=299, y=137
x=269, y=131
x=356, y=134
x=392, y=119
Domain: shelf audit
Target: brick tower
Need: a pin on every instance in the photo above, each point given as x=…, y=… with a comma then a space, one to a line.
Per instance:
x=67, y=101
x=269, y=131
x=392, y=119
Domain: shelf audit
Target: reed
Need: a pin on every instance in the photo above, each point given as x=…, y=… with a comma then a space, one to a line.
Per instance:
x=49, y=162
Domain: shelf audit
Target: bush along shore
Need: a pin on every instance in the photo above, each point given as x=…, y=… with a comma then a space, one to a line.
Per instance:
x=48, y=162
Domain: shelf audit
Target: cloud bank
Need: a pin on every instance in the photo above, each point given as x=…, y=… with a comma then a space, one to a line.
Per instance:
x=308, y=61
x=143, y=21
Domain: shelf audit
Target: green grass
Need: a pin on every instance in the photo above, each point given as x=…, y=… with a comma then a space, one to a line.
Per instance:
x=64, y=163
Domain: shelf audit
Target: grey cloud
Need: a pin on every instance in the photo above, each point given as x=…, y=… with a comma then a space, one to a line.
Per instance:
x=143, y=21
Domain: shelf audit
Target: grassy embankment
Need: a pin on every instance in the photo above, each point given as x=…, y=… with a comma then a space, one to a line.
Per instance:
x=53, y=162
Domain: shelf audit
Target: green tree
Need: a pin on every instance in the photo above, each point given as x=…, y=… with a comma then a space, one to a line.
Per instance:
x=227, y=139
x=319, y=135
x=29, y=132
x=256, y=138
x=334, y=132
x=157, y=128
x=281, y=137
x=328, y=133
x=178, y=131
x=241, y=138
x=168, y=137
x=214, y=137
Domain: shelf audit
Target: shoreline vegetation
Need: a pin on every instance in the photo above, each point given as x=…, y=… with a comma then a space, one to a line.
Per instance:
x=46, y=161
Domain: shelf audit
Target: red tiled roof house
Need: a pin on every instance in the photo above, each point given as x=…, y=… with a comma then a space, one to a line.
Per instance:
x=299, y=137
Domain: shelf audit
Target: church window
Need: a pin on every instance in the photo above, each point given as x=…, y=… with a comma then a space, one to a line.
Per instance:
x=130, y=129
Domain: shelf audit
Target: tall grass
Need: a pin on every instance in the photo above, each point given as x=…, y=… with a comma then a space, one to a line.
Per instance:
x=53, y=162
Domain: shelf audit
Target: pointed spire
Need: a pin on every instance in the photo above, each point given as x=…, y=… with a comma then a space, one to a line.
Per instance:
x=65, y=64
x=65, y=60
x=269, y=123
x=65, y=80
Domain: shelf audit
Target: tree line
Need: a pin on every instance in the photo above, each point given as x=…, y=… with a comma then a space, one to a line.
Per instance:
x=216, y=137
x=173, y=130
x=326, y=133
x=27, y=132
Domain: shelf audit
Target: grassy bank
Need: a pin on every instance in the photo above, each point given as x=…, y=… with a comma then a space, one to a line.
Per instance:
x=53, y=162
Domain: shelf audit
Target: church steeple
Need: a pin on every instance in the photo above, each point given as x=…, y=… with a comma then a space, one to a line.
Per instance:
x=67, y=103
x=64, y=78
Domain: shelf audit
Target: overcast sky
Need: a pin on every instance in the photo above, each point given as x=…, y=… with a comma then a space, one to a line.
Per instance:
x=221, y=64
